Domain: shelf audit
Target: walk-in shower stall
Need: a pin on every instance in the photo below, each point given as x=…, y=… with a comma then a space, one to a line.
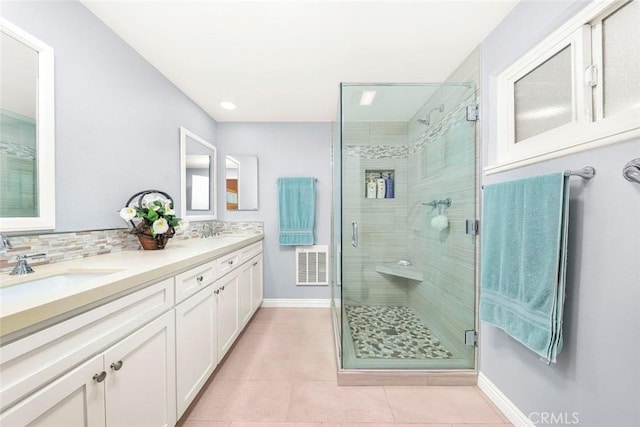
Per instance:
x=404, y=254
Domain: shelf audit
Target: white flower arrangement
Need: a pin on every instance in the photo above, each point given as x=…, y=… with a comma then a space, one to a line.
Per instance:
x=156, y=214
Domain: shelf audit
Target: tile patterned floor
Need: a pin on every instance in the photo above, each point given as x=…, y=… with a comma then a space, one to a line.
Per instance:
x=282, y=373
x=392, y=333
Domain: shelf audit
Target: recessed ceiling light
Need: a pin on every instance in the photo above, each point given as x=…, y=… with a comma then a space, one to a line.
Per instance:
x=367, y=97
x=228, y=105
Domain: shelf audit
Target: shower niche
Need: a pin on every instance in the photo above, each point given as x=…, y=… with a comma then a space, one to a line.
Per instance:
x=379, y=183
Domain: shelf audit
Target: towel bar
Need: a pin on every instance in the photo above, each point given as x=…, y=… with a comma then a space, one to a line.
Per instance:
x=631, y=171
x=586, y=172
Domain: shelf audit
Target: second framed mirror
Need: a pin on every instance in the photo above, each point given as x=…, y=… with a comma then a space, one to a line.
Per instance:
x=241, y=182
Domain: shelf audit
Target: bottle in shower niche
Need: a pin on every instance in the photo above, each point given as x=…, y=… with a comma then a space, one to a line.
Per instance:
x=389, y=186
x=381, y=187
x=371, y=187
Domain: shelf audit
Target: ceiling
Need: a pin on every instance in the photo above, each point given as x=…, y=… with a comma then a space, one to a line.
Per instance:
x=282, y=61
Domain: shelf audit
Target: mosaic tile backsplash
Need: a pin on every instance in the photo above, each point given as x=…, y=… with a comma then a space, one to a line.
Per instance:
x=60, y=247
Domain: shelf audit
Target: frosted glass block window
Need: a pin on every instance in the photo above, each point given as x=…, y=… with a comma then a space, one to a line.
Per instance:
x=621, y=59
x=543, y=97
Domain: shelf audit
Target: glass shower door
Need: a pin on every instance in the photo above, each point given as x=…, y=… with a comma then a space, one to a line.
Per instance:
x=407, y=185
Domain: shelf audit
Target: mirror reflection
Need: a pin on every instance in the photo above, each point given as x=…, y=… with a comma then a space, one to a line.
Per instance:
x=27, y=200
x=198, y=159
x=241, y=182
x=198, y=182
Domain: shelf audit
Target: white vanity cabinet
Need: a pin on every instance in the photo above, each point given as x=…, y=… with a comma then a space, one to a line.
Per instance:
x=140, y=377
x=74, y=400
x=131, y=383
x=139, y=359
x=208, y=323
x=196, y=345
x=234, y=292
x=256, y=282
x=227, y=299
x=245, y=302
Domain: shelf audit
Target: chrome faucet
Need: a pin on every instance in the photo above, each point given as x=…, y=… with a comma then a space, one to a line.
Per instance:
x=23, y=266
x=216, y=228
x=206, y=231
x=4, y=242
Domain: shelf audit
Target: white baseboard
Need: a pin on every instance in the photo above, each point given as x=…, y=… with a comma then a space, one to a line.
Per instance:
x=503, y=403
x=292, y=302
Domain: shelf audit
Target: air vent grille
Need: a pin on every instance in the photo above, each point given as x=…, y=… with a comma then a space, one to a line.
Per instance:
x=312, y=266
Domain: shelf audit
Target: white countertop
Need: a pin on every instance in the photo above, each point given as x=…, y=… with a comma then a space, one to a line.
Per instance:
x=127, y=271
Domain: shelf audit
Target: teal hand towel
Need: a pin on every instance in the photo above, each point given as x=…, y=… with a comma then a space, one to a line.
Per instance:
x=297, y=210
x=524, y=253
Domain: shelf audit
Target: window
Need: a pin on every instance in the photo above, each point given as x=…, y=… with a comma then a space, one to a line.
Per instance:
x=620, y=38
x=578, y=89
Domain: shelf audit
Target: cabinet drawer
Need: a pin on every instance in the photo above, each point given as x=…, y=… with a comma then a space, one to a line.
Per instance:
x=191, y=281
x=245, y=254
x=30, y=363
x=227, y=263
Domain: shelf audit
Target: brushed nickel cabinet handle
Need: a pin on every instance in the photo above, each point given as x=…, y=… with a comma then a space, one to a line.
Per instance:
x=117, y=365
x=217, y=291
x=200, y=279
x=100, y=377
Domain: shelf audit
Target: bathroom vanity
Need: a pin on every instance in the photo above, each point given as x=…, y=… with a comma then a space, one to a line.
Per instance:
x=132, y=340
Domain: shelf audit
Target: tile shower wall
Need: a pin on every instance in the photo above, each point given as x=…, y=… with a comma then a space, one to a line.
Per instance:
x=382, y=223
x=442, y=164
x=60, y=247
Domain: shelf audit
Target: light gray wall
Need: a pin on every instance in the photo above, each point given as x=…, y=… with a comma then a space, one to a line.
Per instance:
x=597, y=373
x=283, y=149
x=117, y=117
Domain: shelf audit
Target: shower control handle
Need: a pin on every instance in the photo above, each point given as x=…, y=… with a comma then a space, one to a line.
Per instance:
x=354, y=234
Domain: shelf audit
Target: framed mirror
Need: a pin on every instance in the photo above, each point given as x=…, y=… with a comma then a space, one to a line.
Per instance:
x=241, y=182
x=27, y=151
x=197, y=177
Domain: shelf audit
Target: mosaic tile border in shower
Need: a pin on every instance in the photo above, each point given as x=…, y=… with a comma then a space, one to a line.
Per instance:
x=60, y=247
x=376, y=151
x=18, y=150
x=451, y=119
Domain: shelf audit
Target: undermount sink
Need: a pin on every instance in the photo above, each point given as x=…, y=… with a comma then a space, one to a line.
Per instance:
x=55, y=282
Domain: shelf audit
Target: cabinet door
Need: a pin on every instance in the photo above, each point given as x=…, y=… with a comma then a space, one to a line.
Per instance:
x=140, y=386
x=227, y=298
x=256, y=282
x=196, y=345
x=73, y=400
x=245, y=303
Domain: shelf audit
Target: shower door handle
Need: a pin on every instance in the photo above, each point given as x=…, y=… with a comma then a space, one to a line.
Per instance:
x=354, y=234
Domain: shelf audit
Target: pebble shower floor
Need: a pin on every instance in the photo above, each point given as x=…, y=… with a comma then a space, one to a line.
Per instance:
x=392, y=333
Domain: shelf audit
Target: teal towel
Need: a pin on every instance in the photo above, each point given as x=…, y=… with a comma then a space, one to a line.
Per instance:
x=524, y=256
x=297, y=208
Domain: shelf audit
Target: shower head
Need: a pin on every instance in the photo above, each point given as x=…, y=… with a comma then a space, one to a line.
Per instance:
x=427, y=119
